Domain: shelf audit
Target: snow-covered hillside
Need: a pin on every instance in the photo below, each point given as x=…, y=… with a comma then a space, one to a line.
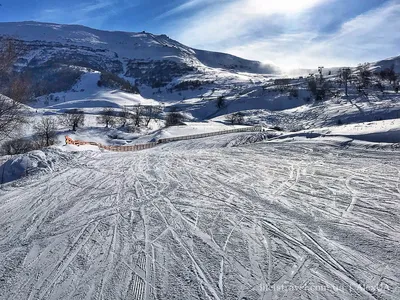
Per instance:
x=86, y=94
x=192, y=220
x=125, y=45
x=389, y=62
x=149, y=59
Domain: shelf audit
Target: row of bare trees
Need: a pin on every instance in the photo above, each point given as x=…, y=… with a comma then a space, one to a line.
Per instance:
x=362, y=78
x=44, y=132
x=136, y=116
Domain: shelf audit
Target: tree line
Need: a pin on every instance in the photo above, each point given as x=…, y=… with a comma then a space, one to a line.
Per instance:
x=362, y=78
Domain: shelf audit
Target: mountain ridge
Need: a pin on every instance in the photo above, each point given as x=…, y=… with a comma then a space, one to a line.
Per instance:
x=56, y=55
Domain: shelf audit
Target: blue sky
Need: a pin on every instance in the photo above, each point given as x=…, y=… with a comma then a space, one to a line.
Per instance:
x=289, y=33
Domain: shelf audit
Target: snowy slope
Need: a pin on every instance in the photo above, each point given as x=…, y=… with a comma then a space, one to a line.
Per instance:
x=388, y=63
x=191, y=220
x=86, y=94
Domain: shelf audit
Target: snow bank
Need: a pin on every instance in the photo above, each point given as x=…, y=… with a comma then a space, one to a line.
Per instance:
x=386, y=131
x=32, y=163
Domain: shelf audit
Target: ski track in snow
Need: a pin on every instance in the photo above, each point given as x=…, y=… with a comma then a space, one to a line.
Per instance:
x=194, y=220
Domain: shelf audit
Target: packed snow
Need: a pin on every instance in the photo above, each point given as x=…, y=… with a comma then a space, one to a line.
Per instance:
x=202, y=220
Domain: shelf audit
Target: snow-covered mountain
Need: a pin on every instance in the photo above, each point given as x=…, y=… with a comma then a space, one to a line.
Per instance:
x=153, y=60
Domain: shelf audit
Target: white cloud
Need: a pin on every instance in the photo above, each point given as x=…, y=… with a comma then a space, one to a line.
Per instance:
x=282, y=32
x=265, y=8
x=371, y=36
x=237, y=19
x=184, y=7
x=92, y=7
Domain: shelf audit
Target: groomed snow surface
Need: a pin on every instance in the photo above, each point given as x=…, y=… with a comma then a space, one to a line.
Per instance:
x=308, y=219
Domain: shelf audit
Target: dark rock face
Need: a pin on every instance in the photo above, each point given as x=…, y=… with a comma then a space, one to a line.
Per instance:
x=51, y=78
x=80, y=56
x=59, y=65
x=55, y=67
x=156, y=73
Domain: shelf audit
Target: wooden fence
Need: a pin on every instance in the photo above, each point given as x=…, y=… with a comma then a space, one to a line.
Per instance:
x=138, y=147
x=149, y=145
x=128, y=148
x=202, y=135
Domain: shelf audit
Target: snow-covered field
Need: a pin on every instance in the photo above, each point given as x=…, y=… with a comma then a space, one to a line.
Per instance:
x=198, y=220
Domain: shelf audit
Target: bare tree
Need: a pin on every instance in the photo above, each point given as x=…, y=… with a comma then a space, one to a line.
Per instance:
x=312, y=84
x=73, y=118
x=174, y=118
x=46, y=130
x=236, y=118
x=230, y=118
x=321, y=76
x=346, y=74
x=11, y=109
x=150, y=113
x=18, y=146
x=239, y=118
x=11, y=116
x=364, y=76
x=220, y=102
x=107, y=117
x=319, y=89
x=123, y=116
x=137, y=115
x=391, y=75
